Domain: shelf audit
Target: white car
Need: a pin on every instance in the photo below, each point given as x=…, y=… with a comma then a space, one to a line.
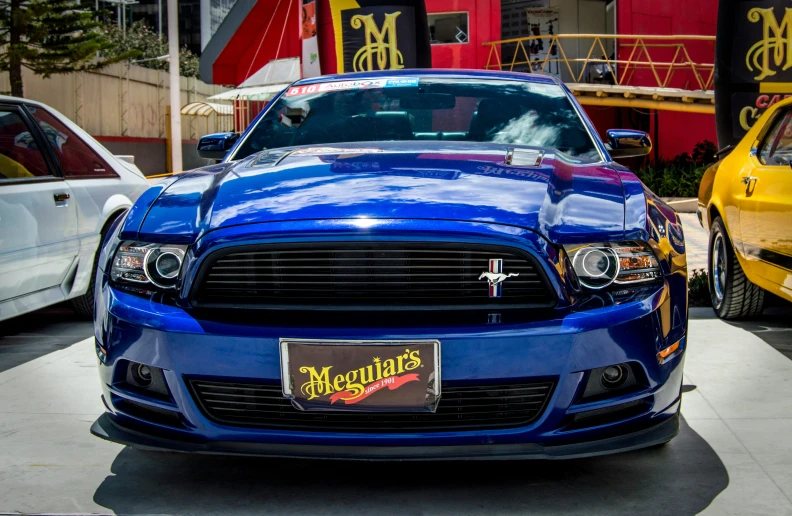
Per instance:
x=60, y=191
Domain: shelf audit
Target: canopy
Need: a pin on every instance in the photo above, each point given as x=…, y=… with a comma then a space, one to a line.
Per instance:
x=265, y=83
x=207, y=108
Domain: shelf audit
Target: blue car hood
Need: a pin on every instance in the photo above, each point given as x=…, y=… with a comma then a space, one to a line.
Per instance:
x=564, y=201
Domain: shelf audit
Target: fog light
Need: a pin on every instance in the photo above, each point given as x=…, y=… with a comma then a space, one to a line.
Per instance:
x=614, y=376
x=141, y=375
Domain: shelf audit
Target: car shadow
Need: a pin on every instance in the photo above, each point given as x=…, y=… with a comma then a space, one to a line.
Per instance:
x=35, y=334
x=774, y=326
x=680, y=478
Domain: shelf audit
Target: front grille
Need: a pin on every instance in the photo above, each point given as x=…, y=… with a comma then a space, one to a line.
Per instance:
x=468, y=408
x=368, y=276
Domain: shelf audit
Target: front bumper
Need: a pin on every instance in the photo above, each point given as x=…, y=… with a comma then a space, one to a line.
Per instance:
x=564, y=348
x=109, y=430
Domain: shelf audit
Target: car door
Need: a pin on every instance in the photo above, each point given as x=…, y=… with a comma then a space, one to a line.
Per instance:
x=765, y=193
x=90, y=178
x=38, y=242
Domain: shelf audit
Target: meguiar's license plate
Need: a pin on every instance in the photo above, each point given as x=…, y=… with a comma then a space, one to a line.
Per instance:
x=399, y=376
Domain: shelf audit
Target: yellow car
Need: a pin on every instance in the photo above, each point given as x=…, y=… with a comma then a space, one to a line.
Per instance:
x=745, y=201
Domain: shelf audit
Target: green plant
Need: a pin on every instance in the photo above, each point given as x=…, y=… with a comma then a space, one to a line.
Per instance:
x=698, y=289
x=144, y=43
x=49, y=37
x=680, y=176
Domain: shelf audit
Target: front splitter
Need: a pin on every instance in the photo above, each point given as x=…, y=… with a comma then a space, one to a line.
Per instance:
x=109, y=430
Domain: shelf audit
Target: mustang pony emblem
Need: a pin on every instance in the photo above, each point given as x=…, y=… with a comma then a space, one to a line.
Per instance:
x=495, y=276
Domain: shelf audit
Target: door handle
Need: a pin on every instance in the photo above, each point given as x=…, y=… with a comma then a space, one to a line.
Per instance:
x=61, y=196
x=748, y=179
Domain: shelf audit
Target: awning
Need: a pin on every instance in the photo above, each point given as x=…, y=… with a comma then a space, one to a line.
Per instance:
x=254, y=93
x=265, y=83
x=207, y=108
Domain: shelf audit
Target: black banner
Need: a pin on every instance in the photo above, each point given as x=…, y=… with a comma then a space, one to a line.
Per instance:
x=381, y=35
x=753, y=63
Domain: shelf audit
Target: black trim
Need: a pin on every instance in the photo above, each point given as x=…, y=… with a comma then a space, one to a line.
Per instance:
x=110, y=430
x=279, y=414
x=771, y=257
x=209, y=261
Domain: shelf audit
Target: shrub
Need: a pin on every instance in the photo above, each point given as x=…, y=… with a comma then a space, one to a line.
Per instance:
x=681, y=176
x=698, y=289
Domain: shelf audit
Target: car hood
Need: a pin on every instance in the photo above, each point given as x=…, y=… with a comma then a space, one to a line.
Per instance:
x=539, y=190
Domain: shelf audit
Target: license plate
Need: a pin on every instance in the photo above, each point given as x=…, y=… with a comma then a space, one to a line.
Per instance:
x=376, y=376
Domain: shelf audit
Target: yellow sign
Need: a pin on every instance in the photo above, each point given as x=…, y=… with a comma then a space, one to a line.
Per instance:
x=353, y=383
x=775, y=48
x=380, y=43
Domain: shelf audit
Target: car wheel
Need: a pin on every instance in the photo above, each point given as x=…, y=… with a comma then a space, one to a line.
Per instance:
x=84, y=304
x=733, y=295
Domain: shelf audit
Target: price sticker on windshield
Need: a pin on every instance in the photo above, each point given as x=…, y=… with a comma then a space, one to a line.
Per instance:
x=364, y=84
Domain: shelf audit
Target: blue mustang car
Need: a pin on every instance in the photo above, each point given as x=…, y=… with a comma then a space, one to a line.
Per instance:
x=399, y=265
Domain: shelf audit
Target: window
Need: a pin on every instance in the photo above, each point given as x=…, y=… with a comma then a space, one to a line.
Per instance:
x=777, y=147
x=412, y=109
x=20, y=156
x=77, y=159
x=448, y=28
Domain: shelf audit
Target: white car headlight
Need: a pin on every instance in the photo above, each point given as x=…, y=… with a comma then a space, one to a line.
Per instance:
x=600, y=265
x=151, y=264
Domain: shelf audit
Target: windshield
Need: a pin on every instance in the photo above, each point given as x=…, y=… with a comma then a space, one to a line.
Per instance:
x=412, y=109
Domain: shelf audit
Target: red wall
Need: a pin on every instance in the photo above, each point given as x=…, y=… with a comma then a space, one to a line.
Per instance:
x=484, y=25
x=678, y=132
x=237, y=62
x=483, y=17
x=246, y=53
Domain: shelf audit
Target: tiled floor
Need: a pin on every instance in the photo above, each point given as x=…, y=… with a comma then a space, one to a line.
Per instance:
x=696, y=242
x=733, y=455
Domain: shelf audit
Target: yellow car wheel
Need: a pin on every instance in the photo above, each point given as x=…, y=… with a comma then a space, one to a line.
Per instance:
x=733, y=294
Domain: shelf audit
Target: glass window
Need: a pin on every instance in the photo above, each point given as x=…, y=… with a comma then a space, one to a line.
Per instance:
x=777, y=147
x=77, y=159
x=20, y=156
x=448, y=28
x=410, y=109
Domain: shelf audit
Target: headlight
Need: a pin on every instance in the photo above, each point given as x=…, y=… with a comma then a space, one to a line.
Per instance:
x=150, y=264
x=622, y=263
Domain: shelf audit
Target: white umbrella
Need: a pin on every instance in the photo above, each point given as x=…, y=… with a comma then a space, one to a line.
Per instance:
x=265, y=83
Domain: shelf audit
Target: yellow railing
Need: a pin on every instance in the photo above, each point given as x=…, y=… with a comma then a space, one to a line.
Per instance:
x=664, y=56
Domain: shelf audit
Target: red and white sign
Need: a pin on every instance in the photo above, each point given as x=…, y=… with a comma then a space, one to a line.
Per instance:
x=391, y=382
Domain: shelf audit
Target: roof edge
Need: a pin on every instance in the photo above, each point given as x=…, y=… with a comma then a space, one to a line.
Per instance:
x=220, y=39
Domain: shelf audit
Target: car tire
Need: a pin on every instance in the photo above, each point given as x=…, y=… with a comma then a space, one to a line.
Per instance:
x=733, y=295
x=84, y=305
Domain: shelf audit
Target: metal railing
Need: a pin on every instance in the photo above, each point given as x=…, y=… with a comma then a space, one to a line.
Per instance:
x=663, y=56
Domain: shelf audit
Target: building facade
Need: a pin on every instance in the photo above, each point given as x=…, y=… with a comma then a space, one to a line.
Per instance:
x=255, y=32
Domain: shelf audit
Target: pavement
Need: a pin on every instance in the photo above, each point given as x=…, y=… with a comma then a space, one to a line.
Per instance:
x=733, y=455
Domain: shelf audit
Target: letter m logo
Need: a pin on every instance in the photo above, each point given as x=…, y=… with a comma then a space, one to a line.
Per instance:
x=380, y=44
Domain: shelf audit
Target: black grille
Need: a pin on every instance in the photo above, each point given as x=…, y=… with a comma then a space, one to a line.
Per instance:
x=368, y=276
x=470, y=408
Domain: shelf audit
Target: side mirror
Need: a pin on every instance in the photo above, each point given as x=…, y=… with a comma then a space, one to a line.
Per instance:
x=628, y=143
x=215, y=146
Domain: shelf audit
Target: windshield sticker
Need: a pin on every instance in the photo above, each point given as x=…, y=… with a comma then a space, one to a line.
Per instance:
x=352, y=85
